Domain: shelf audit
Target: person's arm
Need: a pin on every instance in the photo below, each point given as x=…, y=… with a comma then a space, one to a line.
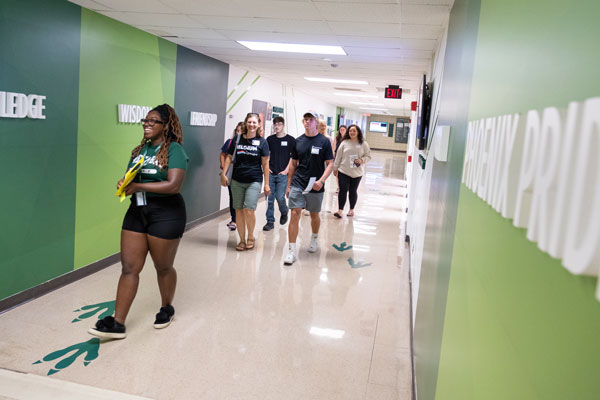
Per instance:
x=287, y=169
x=321, y=181
x=222, y=158
x=175, y=178
x=265, y=167
x=224, y=180
x=339, y=155
x=293, y=164
x=366, y=157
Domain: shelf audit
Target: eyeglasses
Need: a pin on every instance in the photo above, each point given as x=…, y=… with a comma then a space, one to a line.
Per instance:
x=151, y=122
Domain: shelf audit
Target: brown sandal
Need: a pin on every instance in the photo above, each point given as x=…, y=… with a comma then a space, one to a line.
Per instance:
x=250, y=243
x=241, y=246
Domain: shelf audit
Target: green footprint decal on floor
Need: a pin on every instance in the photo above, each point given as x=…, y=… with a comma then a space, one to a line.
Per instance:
x=342, y=247
x=89, y=348
x=107, y=308
x=358, y=264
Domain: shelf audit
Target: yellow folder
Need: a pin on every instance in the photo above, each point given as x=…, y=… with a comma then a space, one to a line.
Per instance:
x=129, y=175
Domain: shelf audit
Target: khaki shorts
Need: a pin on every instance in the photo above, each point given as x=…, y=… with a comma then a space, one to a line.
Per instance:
x=245, y=195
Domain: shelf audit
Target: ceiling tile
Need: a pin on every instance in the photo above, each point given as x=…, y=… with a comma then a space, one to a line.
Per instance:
x=163, y=20
x=425, y=14
x=360, y=12
x=243, y=8
x=260, y=24
x=91, y=5
x=365, y=29
x=149, y=6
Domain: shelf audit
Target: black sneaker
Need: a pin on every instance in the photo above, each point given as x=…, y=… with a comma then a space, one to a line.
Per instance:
x=107, y=327
x=164, y=317
x=283, y=219
x=268, y=226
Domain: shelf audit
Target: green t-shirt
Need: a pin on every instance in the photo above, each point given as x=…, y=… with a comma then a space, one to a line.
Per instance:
x=150, y=171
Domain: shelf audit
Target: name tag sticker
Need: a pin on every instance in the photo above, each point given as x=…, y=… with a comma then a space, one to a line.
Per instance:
x=315, y=150
x=255, y=142
x=283, y=143
x=149, y=171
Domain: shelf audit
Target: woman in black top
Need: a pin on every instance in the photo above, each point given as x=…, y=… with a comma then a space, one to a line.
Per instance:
x=251, y=165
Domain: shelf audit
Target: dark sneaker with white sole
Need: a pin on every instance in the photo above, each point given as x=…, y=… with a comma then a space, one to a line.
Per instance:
x=108, y=328
x=164, y=317
x=268, y=226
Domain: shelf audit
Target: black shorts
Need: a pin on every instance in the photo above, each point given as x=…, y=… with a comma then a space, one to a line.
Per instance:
x=163, y=217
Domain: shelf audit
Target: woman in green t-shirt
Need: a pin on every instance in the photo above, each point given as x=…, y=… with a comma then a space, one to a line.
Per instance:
x=155, y=220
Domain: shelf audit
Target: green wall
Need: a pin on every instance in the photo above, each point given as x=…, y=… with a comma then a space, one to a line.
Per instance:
x=38, y=155
x=119, y=65
x=516, y=323
x=58, y=208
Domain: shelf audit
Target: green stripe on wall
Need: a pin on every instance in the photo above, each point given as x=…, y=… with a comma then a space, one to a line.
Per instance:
x=119, y=64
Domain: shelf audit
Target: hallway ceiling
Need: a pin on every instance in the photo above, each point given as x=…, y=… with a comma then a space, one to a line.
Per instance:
x=386, y=41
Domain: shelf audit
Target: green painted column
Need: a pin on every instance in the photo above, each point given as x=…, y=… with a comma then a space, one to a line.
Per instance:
x=119, y=65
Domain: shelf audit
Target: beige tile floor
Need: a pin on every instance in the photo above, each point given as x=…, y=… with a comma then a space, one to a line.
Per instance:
x=246, y=327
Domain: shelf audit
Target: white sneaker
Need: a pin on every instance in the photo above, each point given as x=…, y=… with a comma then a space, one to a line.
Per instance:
x=305, y=212
x=290, y=257
x=314, y=245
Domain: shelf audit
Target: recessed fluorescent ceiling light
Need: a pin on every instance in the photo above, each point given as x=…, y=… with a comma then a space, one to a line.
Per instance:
x=337, y=81
x=293, y=47
x=326, y=332
x=371, y=96
x=368, y=104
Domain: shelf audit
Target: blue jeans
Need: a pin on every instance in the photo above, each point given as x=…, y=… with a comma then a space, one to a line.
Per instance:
x=278, y=184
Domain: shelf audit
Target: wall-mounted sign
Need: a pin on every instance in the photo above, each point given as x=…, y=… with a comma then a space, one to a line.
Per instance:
x=278, y=110
x=132, y=114
x=393, y=92
x=19, y=105
x=202, y=119
x=541, y=171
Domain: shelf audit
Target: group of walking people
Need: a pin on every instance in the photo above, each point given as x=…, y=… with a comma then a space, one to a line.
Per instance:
x=281, y=165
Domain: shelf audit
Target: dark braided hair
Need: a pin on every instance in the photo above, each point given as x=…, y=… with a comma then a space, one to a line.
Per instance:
x=171, y=133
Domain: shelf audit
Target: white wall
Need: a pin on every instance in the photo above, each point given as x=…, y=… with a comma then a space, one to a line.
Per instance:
x=419, y=180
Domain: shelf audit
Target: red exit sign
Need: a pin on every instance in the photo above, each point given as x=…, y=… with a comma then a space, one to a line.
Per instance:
x=393, y=92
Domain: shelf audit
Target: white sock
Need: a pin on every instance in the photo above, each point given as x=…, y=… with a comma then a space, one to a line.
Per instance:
x=314, y=236
x=292, y=247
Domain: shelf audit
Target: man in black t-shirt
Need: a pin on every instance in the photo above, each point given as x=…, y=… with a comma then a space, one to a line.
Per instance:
x=310, y=166
x=280, y=146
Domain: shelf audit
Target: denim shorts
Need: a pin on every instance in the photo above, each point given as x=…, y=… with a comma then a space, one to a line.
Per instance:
x=245, y=195
x=310, y=201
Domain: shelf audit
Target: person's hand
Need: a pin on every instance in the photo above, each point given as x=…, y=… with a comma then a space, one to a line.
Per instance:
x=284, y=172
x=267, y=190
x=224, y=180
x=287, y=192
x=131, y=189
x=317, y=185
x=120, y=182
x=335, y=172
x=358, y=161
